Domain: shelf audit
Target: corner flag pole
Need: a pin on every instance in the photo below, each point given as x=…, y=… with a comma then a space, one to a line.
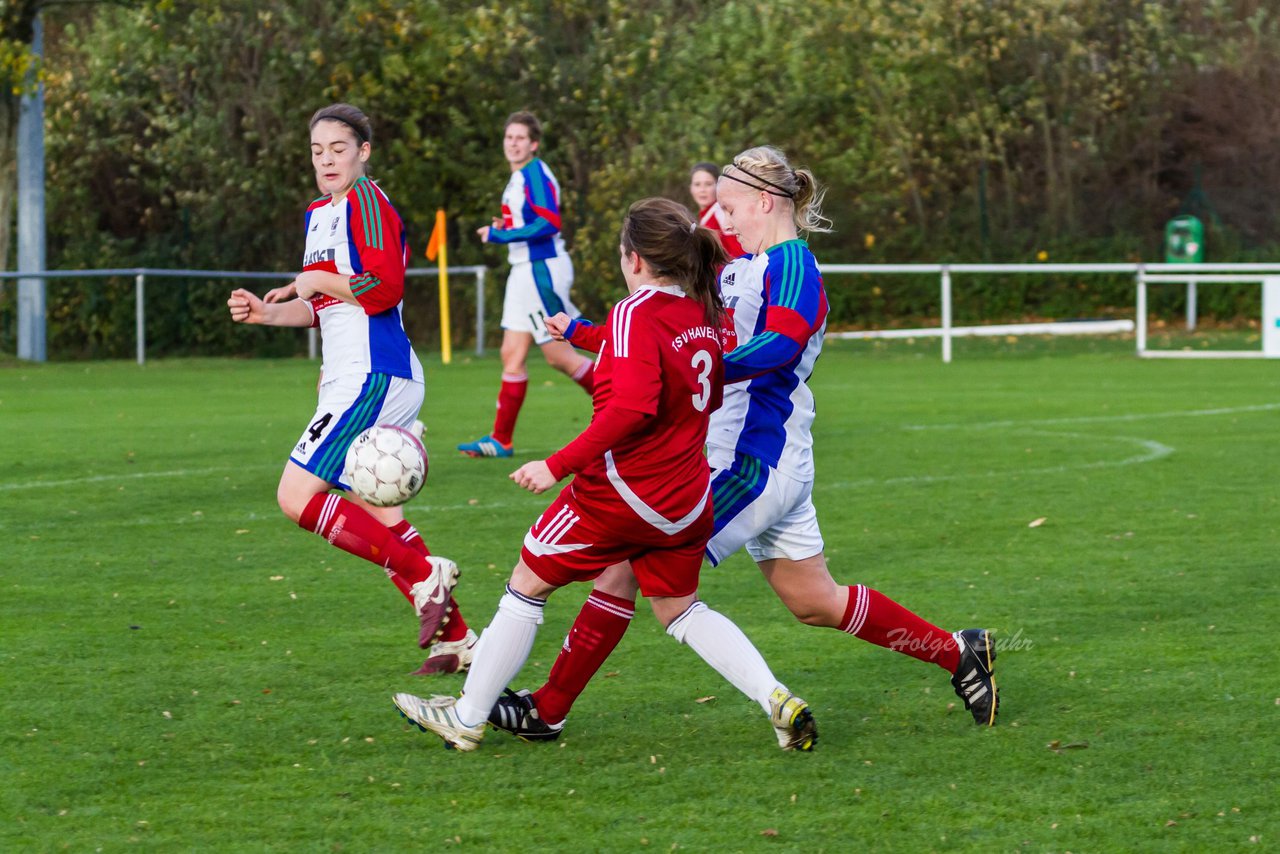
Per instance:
x=439, y=246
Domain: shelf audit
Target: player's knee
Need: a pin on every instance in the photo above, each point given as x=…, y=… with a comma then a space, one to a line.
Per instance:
x=564, y=363
x=814, y=613
x=510, y=352
x=289, y=504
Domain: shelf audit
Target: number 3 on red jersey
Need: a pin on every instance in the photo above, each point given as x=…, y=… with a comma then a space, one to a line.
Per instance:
x=702, y=363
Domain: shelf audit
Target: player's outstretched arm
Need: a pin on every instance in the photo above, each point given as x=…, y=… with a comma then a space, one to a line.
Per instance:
x=246, y=307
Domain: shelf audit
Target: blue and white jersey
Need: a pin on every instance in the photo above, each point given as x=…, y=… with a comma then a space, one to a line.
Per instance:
x=361, y=237
x=530, y=215
x=778, y=314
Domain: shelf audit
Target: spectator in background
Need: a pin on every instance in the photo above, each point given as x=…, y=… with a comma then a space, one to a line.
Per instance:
x=702, y=186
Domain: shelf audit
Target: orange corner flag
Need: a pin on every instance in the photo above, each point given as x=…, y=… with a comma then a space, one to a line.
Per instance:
x=436, y=242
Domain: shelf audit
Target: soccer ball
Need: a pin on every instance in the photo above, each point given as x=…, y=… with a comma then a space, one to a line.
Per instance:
x=386, y=466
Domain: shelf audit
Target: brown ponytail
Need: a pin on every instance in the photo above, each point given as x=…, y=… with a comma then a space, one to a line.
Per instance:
x=677, y=249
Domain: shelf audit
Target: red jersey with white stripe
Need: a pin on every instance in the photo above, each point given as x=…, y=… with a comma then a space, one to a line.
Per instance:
x=660, y=357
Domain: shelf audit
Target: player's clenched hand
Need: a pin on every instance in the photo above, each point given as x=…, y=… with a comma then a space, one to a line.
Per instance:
x=557, y=324
x=287, y=292
x=534, y=476
x=246, y=307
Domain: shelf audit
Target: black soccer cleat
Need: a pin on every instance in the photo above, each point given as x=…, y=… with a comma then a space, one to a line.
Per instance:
x=974, y=679
x=516, y=713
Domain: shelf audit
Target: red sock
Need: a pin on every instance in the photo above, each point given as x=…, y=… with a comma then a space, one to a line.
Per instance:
x=596, y=631
x=510, y=399
x=874, y=617
x=585, y=376
x=349, y=527
x=456, y=628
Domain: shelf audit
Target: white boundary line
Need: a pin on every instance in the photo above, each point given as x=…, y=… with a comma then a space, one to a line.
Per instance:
x=1098, y=419
x=1154, y=449
x=1151, y=451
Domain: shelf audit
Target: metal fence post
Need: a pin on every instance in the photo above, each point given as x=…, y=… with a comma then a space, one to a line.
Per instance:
x=1140, y=322
x=1191, y=306
x=946, y=314
x=480, y=274
x=140, y=315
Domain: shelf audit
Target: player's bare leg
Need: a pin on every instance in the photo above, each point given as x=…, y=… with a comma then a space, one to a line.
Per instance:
x=564, y=358
x=814, y=598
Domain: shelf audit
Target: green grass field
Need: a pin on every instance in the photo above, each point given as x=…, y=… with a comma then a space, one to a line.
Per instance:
x=185, y=669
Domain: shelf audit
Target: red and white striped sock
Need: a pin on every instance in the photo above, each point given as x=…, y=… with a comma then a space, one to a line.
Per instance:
x=876, y=618
x=350, y=527
x=585, y=376
x=597, y=629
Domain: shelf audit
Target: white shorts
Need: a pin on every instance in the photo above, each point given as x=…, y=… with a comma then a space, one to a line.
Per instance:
x=537, y=290
x=348, y=405
x=759, y=507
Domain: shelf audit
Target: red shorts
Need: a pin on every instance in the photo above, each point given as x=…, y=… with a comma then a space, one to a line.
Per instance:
x=573, y=541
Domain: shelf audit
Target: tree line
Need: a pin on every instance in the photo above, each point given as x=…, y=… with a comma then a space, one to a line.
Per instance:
x=977, y=130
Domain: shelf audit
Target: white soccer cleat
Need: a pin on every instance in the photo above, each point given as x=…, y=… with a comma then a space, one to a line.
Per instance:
x=439, y=716
x=417, y=428
x=431, y=598
x=449, y=656
x=792, y=720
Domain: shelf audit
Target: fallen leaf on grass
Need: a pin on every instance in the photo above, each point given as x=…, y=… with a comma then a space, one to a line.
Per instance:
x=1036, y=523
x=768, y=831
x=1057, y=746
x=705, y=699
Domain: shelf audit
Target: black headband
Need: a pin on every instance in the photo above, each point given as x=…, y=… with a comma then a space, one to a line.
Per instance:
x=359, y=133
x=784, y=192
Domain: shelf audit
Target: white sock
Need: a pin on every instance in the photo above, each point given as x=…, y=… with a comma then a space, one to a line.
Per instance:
x=502, y=650
x=723, y=645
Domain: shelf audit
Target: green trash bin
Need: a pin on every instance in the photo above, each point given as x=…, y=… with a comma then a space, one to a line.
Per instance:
x=1184, y=244
x=1184, y=240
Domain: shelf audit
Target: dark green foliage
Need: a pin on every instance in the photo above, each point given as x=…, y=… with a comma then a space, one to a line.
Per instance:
x=992, y=131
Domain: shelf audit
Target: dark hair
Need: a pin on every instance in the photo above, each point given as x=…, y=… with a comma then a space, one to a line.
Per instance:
x=676, y=248
x=348, y=115
x=529, y=120
x=705, y=166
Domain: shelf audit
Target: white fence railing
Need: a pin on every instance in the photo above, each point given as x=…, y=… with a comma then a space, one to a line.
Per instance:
x=141, y=274
x=1142, y=273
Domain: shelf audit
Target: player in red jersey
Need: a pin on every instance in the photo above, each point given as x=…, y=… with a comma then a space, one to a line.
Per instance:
x=351, y=286
x=642, y=488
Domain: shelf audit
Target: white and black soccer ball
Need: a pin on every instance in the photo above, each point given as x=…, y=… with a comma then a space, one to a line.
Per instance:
x=386, y=465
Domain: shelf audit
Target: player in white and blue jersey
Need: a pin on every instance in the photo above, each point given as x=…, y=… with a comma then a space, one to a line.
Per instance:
x=538, y=285
x=352, y=287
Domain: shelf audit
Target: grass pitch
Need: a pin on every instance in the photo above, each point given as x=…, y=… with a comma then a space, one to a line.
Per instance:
x=184, y=669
